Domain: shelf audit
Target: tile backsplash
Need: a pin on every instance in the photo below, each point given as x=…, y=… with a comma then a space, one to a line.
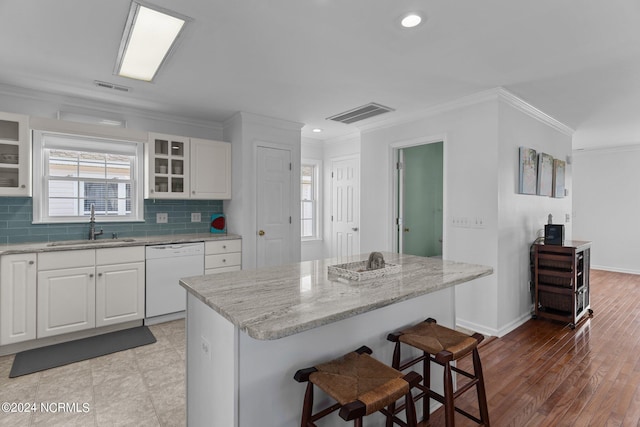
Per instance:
x=16, y=215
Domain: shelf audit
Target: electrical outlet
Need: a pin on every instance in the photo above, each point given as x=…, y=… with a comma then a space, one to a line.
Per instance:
x=205, y=347
x=567, y=218
x=162, y=218
x=196, y=217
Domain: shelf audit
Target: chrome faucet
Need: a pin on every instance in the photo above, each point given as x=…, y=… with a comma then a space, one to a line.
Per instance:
x=92, y=224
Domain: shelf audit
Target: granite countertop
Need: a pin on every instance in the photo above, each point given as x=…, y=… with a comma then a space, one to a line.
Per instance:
x=275, y=302
x=69, y=245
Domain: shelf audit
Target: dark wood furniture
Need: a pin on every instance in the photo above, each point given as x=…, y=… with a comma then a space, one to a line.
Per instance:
x=443, y=346
x=361, y=385
x=561, y=277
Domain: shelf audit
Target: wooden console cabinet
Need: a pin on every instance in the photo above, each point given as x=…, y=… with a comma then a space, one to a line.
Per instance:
x=561, y=275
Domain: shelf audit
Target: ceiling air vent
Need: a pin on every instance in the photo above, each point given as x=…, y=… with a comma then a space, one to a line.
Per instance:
x=107, y=85
x=360, y=113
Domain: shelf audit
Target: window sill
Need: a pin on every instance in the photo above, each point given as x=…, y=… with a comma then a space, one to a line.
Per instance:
x=310, y=240
x=86, y=221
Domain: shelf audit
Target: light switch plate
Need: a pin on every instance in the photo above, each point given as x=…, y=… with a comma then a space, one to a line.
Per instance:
x=196, y=217
x=162, y=218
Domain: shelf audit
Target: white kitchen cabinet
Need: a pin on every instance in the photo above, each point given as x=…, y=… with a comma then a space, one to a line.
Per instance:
x=17, y=298
x=210, y=169
x=222, y=255
x=120, y=285
x=15, y=155
x=66, y=292
x=187, y=168
x=167, y=163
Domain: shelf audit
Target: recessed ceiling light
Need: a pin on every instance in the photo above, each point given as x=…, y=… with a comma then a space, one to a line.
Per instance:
x=316, y=130
x=148, y=38
x=411, y=20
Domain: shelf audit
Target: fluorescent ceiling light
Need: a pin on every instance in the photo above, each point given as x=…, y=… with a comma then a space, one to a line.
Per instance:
x=148, y=38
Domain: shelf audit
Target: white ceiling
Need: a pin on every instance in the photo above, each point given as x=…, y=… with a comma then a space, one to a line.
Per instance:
x=305, y=60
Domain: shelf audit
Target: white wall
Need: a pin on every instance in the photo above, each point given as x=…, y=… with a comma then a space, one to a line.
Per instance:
x=606, y=205
x=43, y=104
x=246, y=132
x=481, y=141
x=470, y=136
x=522, y=216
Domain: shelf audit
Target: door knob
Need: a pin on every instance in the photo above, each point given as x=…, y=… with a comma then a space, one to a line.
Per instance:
x=406, y=230
x=355, y=228
x=261, y=233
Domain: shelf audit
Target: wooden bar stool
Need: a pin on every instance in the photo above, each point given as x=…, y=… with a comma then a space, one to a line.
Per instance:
x=443, y=346
x=361, y=385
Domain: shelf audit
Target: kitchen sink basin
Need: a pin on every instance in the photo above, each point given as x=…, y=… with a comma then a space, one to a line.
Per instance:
x=88, y=242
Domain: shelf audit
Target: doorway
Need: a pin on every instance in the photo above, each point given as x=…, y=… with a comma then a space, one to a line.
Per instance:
x=345, y=207
x=420, y=199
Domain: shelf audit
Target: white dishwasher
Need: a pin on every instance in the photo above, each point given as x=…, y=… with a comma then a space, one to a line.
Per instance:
x=165, y=266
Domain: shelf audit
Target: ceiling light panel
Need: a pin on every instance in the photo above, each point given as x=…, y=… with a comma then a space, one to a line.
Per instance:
x=148, y=38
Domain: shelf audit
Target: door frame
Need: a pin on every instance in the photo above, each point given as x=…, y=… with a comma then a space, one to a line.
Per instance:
x=294, y=236
x=394, y=150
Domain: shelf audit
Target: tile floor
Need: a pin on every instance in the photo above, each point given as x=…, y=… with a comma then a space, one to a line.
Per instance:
x=144, y=386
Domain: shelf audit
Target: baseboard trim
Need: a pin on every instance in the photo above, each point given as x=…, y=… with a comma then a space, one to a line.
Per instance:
x=614, y=269
x=492, y=331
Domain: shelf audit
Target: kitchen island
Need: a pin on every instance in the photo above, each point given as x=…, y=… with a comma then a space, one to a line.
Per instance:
x=249, y=331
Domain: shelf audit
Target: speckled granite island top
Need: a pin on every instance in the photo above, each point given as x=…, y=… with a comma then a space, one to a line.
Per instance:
x=275, y=302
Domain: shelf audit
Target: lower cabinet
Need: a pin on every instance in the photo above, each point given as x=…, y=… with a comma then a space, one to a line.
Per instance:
x=222, y=255
x=119, y=285
x=17, y=298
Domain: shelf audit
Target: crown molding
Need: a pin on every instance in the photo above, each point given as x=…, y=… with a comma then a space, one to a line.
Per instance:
x=498, y=93
x=74, y=102
x=340, y=139
x=605, y=150
x=265, y=121
x=522, y=105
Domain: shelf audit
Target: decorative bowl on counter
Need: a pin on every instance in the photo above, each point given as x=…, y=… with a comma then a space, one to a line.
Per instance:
x=9, y=158
x=358, y=270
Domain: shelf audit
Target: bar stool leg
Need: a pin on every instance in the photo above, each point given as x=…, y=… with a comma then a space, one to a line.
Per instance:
x=412, y=420
x=357, y=422
x=426, y=374
x=307, y=407
x=448, y=396
x=482, y=395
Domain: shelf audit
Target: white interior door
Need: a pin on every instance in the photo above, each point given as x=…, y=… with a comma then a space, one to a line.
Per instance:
x=345, y=207
x=273, y=206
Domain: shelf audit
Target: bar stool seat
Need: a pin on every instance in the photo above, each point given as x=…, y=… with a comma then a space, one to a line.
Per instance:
x=443, y=346
x=361, y=385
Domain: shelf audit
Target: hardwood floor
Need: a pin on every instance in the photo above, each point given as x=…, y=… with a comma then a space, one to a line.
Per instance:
x=545, y=374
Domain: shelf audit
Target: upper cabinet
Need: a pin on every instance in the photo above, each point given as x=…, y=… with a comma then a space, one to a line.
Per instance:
x=15, y=155
x=210, y=169
x=187, y=168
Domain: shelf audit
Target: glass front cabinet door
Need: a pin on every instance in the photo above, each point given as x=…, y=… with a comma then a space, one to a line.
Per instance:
x=15, y=155
x=167, y=167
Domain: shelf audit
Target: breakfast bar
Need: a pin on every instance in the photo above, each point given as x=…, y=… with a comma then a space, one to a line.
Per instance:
x=249, y=331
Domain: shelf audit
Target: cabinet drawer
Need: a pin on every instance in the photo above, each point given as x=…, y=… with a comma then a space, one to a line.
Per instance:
x=119, y=255
x=222, y=269
x=222, y=246
x=66, y=259
x=222, y=260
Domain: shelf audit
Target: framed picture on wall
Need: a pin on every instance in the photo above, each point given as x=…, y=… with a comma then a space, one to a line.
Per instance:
x=545, y=174
x=559, y=167
x=528, y=171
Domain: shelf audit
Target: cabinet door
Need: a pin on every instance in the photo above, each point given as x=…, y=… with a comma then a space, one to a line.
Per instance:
x=167, y=163
x=66, y=301
x=17, y=298
x=119, y=293
x=15, y=155
x=210, y=169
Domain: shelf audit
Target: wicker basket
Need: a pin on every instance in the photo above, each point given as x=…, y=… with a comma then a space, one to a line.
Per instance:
x=555, y=301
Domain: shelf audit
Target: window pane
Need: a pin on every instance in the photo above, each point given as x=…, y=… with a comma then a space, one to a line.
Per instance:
x=307, y=228
x=306, y=192
x=92, y=165
x=118, y=167
x=63, y=207
x=307, y=210
x=63, y=163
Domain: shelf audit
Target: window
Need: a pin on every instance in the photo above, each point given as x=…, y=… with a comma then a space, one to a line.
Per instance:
x=76, y=172
x=309, y=191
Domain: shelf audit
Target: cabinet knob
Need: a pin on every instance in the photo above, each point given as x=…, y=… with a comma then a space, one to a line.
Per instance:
x=91, y=275
x=31, y=262
x=224, y=260
x=193, y=192
x=150, y=191
x=224, y=246
x=23, y=186
x=261, y=233
x=99, y=274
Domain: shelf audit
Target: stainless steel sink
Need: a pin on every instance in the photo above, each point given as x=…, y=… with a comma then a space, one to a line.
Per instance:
x=89, y=242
